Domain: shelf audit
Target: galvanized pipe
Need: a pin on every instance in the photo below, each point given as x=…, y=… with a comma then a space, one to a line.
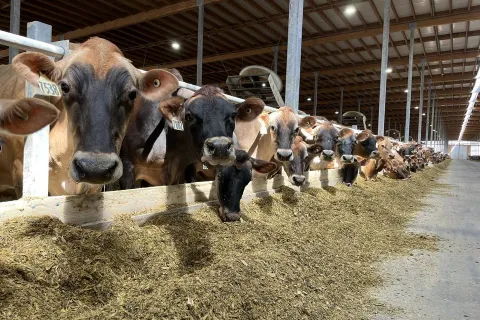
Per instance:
x=410, y=70
x=294, y=53
x=427, y=123
x=315, y=95
x=14, y=26
x=420, y=110
x=433, y=118
x=383, y=68
x=201, y=18
x=24, y=43
x=340, y=115
x=275, y=59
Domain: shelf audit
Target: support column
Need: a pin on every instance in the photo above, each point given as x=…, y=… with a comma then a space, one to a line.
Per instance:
x=383, y=69
x=275, y=59
x=420, y=110
x=427, y=123
x=14, y=26
x=410, y=69
x=37, y=145
x=340, y=115
x=201, y=16
x=294, y=53
x=315, y=95
x=433, y=118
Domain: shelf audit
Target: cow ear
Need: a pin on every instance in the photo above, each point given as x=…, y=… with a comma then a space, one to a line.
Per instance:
x=380, y=138
x=30, y=64
x=172, y=109
x=263, y=166
x=307, y=122
x=250, y=109
x=25, y=116
x=157, y=84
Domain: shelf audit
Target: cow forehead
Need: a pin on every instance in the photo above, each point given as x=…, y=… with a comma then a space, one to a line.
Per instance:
x=208, y=107
x=284, y=117
x=100, y=54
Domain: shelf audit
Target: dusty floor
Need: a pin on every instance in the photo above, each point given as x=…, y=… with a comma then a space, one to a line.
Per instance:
x=444, y=284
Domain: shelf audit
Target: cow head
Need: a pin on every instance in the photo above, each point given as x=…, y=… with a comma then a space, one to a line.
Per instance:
x=283, y=129
x=385, y=148
x=366, y=145
x=25, y=116
x=326, y=138
x=98, y=86
x=296, y=167
x=210, y=118
x=396, y=170
x=232, y=180
x=345, y=145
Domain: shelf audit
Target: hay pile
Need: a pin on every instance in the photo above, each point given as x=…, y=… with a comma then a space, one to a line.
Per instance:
x=295, y=256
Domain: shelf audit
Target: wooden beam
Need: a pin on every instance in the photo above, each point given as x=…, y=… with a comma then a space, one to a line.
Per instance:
x=426, y=20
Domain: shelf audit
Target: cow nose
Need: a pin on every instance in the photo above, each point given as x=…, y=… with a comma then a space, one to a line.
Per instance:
x=220, y=147
x=284, y=154
x=327, y=154
x=298, y=180
x=347, y=158
x=391, y=156
x=97, y=168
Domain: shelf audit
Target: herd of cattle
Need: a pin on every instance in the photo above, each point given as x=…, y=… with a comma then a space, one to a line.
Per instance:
x=113, y=122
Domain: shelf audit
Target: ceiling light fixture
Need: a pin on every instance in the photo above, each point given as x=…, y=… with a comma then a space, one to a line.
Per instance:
x=175, y=45
x=336, y=112
x=350, y=10
x=389, y=70
x=309, y=99
x=406, y=91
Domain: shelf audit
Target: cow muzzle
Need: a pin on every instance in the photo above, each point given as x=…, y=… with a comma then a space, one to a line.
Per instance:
x=327, y=155
x=347, y=158
x=227, y=215
x=95, y=168
x=298, y=180
x=284, y=155
x=219, y=151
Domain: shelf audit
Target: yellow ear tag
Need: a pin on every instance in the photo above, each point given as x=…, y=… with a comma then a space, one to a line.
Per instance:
x=48, y=87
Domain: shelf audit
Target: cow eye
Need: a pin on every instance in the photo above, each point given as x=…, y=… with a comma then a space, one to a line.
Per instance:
x=297, y=129
x=248, y=110
x=132, y=95
x=156, y=83
x=65, y=87
x=234, y=115
x=273, y=128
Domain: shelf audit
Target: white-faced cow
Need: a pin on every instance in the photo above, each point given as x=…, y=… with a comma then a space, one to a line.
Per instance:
x=99, y=88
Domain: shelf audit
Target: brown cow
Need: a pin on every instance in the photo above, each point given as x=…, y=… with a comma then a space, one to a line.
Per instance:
x=99, y=88
x=25, y=116
x=271, y=136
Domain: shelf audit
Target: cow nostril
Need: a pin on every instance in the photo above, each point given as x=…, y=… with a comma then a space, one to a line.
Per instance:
x=79, y=168
x=109, y=172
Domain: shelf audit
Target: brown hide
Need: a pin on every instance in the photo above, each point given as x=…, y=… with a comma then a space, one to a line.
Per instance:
x=99, y=57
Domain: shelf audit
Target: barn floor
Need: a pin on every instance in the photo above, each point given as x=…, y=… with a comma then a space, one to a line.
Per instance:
x=444, y=284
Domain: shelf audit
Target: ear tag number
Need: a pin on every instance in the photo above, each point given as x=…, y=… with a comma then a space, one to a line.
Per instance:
x=48, y=87
x=177, y=124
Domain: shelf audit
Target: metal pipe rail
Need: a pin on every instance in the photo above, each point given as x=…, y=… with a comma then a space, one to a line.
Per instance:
x=24, y=43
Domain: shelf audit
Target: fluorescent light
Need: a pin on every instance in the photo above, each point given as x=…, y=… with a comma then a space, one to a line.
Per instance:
x=264, y=84
x=406, y=91
x=416, y=107
x=389, y=70
x=423, y=114
x=336, y=112
x=309, y=99
x=350, y=10
x=175, y=45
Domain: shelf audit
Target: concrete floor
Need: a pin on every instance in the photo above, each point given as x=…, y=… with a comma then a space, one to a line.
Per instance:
x=443, y=284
